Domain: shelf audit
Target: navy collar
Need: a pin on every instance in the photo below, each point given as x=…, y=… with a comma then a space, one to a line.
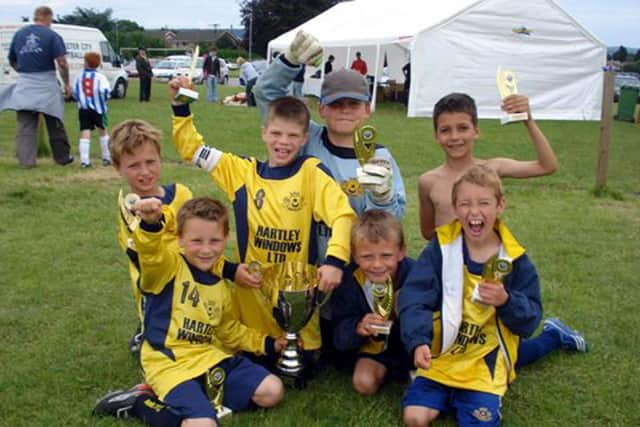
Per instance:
x=204, y=277
x=281, y=172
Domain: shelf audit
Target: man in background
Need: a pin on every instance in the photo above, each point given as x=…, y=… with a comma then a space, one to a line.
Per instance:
x=145, y=73
x=34, y=53
x=211, y=69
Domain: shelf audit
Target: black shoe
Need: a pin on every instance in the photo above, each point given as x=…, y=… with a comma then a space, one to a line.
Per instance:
x=68, y=161
x=85, y=165
x=106, y=162
x=119, y=404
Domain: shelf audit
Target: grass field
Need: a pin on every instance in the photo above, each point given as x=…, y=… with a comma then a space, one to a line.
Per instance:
x=66, y=311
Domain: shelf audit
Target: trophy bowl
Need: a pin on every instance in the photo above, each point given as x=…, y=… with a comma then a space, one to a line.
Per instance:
x=291, y=290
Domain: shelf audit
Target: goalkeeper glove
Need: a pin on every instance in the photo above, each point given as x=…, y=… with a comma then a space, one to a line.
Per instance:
x=304, y=49
x=376, y=176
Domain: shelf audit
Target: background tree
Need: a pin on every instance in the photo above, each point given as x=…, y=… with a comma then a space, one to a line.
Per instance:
x=119, y=32
x=636, y=57
x=274, y=17
x=620, y=54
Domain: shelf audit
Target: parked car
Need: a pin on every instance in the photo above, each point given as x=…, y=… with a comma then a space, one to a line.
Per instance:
x=624, y=80
x=131, y=69
x=198, y=77
x=168, y=69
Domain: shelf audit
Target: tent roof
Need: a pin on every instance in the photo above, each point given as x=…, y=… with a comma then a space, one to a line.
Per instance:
x=367, y=22
x=371, y=22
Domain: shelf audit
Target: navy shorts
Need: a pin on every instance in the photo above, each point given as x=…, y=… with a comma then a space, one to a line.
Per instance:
x=470, y=407
x=90, y=119
x=189, y=399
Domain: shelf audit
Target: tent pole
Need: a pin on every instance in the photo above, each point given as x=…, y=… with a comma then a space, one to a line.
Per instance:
x=374, y=93
x=346, y=60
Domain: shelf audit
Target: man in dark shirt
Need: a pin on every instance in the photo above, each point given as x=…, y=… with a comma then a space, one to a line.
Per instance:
x=145, y=73
x=211, y=71
x=34, y=52
x=328, y=66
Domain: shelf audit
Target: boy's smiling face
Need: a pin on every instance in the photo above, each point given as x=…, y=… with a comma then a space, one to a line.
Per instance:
x=378, y=260
x=456, y=134
x=283, y=139
x=203, y=242
x=477, y=208
x=345, y=115
x=141, y=169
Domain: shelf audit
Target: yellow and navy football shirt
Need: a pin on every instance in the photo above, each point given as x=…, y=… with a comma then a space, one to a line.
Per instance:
x=187, y=311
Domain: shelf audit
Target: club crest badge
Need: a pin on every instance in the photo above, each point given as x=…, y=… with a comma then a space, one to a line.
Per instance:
x=294, y=201
x=483, y=414
x=352, y=188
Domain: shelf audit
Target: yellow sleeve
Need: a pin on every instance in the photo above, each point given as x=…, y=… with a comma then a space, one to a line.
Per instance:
x=230, y=173
x=235, y=334
x=158, y=264
x=332, y=207
x=186, y=138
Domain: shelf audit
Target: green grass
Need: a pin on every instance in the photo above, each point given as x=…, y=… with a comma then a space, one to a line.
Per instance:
x=66, y=312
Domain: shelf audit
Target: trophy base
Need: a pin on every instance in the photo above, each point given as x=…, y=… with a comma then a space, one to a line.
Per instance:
x=512, y=118
x=382, y=328
x=290, y=366
x=475, y=297
x=186, y=96
x=223, y=412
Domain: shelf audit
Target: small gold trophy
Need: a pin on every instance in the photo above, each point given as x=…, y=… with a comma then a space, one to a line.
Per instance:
x=215, y=390
x=494, y=271
x=184, y=94
x=364, y=143
x=126, y=204
x=507, y=82
x=383, y=305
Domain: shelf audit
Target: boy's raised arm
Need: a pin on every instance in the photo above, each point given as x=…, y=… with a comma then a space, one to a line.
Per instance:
x=546, y=162
x=426, y=206
x=274, y=82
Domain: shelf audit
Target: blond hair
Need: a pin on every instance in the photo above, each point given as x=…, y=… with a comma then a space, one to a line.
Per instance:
x=129, y=136
x=482, y=176
x=204, y=208
x=374, y=226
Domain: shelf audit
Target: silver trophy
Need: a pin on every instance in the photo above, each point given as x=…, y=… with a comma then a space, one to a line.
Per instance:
x=291, y=290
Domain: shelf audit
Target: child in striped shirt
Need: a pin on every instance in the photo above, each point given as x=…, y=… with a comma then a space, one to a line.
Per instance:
x=91, y=89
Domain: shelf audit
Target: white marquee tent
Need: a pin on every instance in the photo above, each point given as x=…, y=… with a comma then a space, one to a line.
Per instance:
x=457, y=45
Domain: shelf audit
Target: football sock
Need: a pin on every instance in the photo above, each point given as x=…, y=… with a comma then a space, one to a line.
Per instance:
x=533, y=349
x=84, y=151
x=155, y=413
x=104, y=146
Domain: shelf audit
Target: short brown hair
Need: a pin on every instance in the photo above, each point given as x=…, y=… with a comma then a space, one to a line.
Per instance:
x=288, y=108
x=130, y=135
x=376, y=225
x=92, y=59
x=455, y=103
x=482, y=176
x=204, y=208
x=42, y=12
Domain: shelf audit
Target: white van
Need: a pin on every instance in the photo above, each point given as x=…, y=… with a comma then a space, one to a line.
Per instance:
x=78, y=40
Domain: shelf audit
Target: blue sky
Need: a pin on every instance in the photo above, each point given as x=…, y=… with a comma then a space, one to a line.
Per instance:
x=615, y=22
